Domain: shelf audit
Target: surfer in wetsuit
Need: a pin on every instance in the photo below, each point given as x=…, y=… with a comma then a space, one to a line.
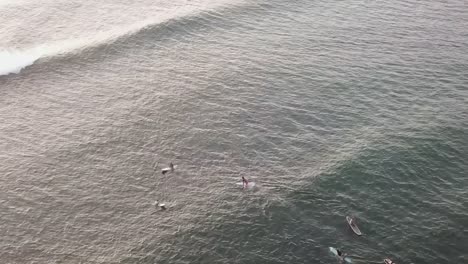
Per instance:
x=341, y=255
x=166, y=170
x=162, y=206
x=244, y=182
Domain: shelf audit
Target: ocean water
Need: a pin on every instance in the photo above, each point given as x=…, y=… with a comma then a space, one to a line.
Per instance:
x=333, y=108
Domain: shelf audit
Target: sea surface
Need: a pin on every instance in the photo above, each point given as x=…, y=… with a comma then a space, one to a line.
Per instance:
x=332, y=108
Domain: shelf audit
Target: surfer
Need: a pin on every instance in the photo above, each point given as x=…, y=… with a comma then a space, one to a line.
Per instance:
x=166, y=170
x=388, y=261
x=244, y=182
x=162, y=206
x=341, y=255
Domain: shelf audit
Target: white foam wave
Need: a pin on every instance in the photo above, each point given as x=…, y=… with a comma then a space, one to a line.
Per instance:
x=15, y=61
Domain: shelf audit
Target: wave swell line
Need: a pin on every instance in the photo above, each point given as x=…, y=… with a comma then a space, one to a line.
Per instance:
x=13, y=61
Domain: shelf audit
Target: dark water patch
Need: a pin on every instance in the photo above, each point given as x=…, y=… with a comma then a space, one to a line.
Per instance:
x=400, y=195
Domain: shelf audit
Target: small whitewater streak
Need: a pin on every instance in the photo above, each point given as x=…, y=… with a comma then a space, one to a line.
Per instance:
x=13, y=61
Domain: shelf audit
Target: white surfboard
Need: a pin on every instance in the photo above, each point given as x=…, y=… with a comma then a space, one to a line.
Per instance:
x=249, y=186
x=353, y=226
x=167, y=169
x=160, y=205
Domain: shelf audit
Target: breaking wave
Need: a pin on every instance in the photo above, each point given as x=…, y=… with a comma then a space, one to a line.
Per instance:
x=13, y=61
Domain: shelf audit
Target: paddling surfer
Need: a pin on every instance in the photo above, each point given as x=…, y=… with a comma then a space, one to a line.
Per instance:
x=170, y=168
x=244, y=182
x=341, y=255
x=162, y=206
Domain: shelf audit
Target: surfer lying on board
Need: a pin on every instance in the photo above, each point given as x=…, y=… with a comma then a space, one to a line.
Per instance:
x=341, y=254
x=244, y=182
x=170, y=168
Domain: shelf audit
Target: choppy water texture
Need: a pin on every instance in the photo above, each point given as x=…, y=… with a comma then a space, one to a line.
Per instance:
x=331, y=107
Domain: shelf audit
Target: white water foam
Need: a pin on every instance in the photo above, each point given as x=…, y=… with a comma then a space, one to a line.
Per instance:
x=15, y=61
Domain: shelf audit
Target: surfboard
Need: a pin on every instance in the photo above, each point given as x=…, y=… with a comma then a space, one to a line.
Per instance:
x=388, y=261
x=333, y=250
x=249, y=186
x=156, y=203
x=167, y=169
x=353, y=226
